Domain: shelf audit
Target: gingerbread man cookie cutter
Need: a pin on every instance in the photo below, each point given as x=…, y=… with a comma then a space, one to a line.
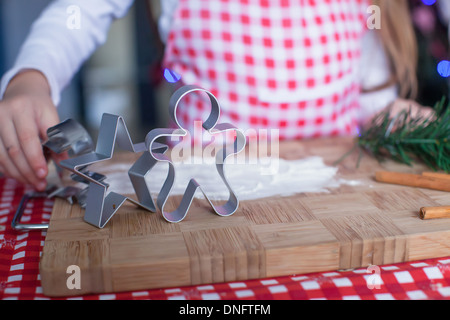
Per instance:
x=212, y=126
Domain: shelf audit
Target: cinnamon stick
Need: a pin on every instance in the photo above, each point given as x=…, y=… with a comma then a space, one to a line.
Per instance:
x=437, y=175
x=427, y=213
x=413, y=180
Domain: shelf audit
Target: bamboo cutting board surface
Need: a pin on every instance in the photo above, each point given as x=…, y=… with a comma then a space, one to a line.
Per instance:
x=349, y=227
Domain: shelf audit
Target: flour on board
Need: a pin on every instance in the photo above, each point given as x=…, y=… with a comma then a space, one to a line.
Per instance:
x=249, y=181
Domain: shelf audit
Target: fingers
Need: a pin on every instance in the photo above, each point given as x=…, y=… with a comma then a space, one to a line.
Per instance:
x=48, y=119
x=17, y=163
x=409, y=105
x=31, y=146
x=8, y=168
x=427, y=112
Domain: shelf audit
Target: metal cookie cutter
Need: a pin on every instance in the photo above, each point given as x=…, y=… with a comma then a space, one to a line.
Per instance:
x=68, y=136
x=16, y=224
x=211, y=126
x=67, y=193
x=100, y=206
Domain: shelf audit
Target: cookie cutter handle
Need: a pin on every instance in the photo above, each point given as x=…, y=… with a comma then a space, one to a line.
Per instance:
x=16, y=224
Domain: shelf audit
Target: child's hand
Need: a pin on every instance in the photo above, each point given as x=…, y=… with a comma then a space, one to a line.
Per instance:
x=398, y=106
x=417, y=110
x=26, y=112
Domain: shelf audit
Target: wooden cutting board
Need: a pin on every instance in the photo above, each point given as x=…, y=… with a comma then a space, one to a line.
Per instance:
x=349, y=227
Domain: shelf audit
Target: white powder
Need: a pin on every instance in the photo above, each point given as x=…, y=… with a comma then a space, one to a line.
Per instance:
x=249, y=181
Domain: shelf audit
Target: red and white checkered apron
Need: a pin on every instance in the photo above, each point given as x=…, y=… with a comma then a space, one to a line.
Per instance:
x=273, y=64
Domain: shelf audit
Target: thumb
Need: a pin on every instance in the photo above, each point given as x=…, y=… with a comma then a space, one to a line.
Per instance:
x=48, y=119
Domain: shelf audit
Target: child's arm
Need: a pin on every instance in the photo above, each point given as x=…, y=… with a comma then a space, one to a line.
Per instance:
x=52, y=53
x=57, y=46
x=375, y=72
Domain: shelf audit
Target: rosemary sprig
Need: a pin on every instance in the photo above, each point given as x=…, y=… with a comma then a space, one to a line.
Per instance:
x=407, y=139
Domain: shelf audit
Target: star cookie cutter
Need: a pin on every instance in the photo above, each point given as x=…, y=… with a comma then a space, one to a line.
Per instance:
x=212, y=127
x=100, y=206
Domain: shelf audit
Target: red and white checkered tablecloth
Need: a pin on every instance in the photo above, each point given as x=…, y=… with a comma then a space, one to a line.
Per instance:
x=20, y=279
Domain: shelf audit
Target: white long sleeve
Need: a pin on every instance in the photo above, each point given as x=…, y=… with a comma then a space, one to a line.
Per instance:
x=56, y=49
x=374, y=71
